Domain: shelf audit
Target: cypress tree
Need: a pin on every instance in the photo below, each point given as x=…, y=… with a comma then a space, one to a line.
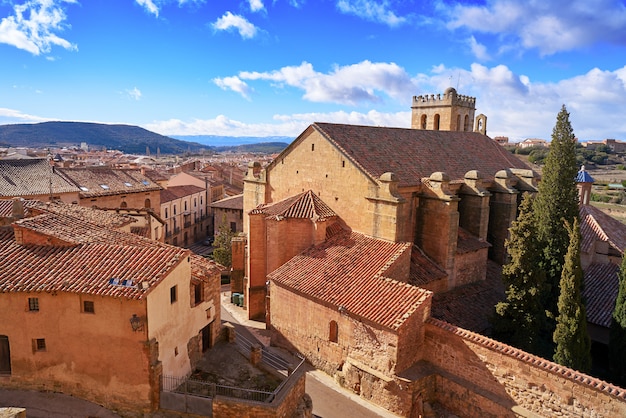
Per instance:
x=617, y=334
x=573, y=346
x=557, y=201
x=520, y=317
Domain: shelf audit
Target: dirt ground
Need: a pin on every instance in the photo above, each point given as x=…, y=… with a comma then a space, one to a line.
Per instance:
x=224, y=365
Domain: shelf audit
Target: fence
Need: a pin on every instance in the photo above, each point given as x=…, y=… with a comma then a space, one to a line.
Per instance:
x=187, y=386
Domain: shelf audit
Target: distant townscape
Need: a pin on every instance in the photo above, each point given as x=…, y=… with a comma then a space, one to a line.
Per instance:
x=157, y=275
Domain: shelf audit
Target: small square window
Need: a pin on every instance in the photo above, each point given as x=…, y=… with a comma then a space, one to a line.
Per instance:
x=88, y=306
x=39, y=344
x=33, y=304
x=173, y=294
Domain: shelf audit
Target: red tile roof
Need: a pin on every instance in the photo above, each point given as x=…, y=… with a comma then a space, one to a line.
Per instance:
x=413, y=154
x=231, y=202
x=423, y=269
x=348, y=271
x=32, y=177
x=305, y=205
x=600, y=292
x=177, y=192
x=596, y=225
x=467, y=242
x=85, y=268
x=94, y=260
x=105, y=181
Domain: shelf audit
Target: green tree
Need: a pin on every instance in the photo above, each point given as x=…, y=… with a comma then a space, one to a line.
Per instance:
x=557, y=201
x=222, y=252
x=520, y=317
x=617, y=333
x=573, y=346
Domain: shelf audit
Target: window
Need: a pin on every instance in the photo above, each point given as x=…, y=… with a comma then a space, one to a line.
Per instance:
x=312, y=147
x=197, y=293
x=174, y=209
x=33, y=304
x=185, y=205
x=165, y=213
x=88, y=306
x=173, y=294
x=333, y=335
x=39, y=344
x=436, y=122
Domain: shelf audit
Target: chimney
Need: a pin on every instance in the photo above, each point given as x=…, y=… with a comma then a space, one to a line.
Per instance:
x=18, y=208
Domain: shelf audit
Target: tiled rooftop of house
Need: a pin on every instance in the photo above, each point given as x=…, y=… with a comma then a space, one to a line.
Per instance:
x=231, y=202
x=104, y=181
x=32, y=177
x=348, y=271
x=201, y=267
x=177, y=192
x=306, y=205
x=423, y=269
x=596, y=225
x=600, y=292
x=413, y=154
x=467, y=242
x=66, y=249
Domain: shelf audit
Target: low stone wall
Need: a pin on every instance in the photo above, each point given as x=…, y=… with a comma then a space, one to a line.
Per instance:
x=478, y=376
x=284, y=405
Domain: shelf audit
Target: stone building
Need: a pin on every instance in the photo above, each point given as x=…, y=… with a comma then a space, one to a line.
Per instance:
x=229, y=210
x=184, y=211
x=350, y=231
x=98, y=313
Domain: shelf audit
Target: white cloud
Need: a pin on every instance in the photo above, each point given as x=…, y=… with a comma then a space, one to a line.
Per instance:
x=34, y=25
x=351, y=84
x=15, y=116
x=230, y=21
x=150, y=6
x=549, y=26
x=134, y=93
x=256, y=5
x=479, y=50
x=235, y=84
x=375, y=11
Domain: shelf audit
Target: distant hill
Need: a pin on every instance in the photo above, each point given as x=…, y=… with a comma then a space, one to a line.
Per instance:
x=234, y=141
x=130, y=139
x=126, y=138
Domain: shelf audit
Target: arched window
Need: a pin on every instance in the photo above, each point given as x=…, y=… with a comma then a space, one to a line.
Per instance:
x=436, y=122
x=458, y=122
x=174, y=209
x=5, y=355
x=466, y=124
x=333, y=334
x=423, y=122
x=123, y=205
x=146, y=204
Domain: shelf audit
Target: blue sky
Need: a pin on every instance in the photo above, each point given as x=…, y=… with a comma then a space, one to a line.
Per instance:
x=272, y=67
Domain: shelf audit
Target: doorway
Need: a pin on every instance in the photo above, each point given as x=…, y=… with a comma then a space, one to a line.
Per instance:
x=5, y=355
x=206, y=337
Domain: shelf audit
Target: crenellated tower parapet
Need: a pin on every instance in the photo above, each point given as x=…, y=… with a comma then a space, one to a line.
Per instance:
x=449, y=111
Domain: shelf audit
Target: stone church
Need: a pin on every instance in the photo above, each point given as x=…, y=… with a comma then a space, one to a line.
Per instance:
x=350, y=231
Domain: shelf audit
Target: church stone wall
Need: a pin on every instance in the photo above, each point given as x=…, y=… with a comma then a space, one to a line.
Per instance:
x=315, y=164
x=477, y=374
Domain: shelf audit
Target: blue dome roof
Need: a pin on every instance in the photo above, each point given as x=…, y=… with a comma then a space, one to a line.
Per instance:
x=583, y=176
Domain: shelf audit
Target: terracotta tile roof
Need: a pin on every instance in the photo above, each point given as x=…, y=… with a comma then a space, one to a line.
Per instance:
x=177, y=192
x=305, y=205
x=413, y=154
x=6, y=206
x=105, y=181
x=32, y=177
x=470, y=306
x=348, y=271
x=467, y=242
x=93, y=268
x=596, y=225
x=203, y=268
x=232, y=202
x=108, y=219
x=423, y=269
x=600, y=292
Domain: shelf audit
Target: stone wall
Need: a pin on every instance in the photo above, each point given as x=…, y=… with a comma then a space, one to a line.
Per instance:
x=470, y=267
x=477, y=376
x=284, y=405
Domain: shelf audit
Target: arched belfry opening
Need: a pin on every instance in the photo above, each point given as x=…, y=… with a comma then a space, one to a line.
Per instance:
x=481, y=124
x=443, y=112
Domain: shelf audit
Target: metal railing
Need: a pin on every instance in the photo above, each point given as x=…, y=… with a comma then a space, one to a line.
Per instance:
x=187, y=385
